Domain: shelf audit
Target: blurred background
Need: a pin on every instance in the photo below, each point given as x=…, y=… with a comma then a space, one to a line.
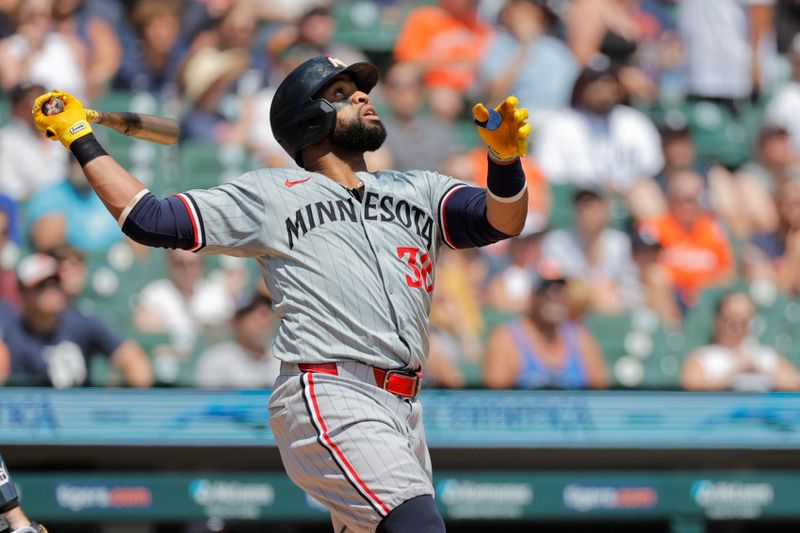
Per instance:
x=627, y=363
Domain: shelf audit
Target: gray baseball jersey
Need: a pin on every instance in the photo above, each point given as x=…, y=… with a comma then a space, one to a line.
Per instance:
x=351, y=280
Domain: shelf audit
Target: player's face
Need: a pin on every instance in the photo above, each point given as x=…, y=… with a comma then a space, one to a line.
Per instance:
x=358, y=126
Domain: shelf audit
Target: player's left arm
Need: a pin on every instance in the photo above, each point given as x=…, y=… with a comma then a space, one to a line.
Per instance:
x=472, y=216
x=505, y=132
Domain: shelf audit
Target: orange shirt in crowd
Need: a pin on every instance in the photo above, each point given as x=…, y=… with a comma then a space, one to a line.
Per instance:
x=696, y=257
x=450, y=48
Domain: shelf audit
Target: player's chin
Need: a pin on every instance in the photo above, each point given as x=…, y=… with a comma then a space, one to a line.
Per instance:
x=373, y=121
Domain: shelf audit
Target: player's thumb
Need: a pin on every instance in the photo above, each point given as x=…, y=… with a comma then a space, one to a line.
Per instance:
x=480, y=114
x=486, y=118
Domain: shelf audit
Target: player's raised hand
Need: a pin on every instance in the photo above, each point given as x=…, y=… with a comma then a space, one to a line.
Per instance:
x=503, y=128
x=61, y=116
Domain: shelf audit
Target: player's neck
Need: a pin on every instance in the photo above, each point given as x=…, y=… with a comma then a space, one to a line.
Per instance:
x=341, y=168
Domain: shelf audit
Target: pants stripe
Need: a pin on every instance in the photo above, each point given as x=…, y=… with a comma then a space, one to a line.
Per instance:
x=325, y=440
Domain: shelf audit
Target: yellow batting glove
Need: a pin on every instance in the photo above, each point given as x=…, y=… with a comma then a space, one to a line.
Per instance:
x=503, y=129
x=61, y=116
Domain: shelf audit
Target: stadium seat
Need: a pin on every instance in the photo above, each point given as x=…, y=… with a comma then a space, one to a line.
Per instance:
x=5, y=109
x=639, y=351
x=561, y=212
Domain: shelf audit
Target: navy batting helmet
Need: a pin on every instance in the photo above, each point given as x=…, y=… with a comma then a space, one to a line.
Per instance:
x=297, y=118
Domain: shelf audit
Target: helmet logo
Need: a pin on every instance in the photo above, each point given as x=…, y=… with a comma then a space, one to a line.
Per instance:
x=336, y=62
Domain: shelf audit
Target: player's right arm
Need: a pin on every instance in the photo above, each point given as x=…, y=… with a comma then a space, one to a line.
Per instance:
x=189, y=221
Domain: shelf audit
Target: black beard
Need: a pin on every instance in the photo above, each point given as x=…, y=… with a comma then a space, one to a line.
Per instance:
x=358, y=137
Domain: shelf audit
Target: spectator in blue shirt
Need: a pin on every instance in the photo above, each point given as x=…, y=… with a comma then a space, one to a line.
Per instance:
x=525, y=61
x=152, y=63
x=70, y=212
x=52, y=343
x=545, y=348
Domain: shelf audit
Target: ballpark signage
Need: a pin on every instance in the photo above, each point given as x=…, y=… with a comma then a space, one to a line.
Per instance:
x=464, y=498
x=460, y=495
x=732, y=499
x=232, y=499
x=82, y=497
x=476, y=419
x=586, y=498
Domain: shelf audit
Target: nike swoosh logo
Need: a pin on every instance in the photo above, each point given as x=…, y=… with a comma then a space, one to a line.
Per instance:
x=293, y=183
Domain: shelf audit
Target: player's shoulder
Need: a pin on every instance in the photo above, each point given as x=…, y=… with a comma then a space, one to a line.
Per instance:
x=268, y=176
x=418, y=178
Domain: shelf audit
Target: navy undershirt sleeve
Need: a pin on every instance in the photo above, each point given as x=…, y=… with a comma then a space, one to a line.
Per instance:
x=161, y=223
x=464, y=220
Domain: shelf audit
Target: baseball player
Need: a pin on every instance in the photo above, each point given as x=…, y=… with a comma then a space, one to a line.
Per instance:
x=348, y=256
x=12, y=519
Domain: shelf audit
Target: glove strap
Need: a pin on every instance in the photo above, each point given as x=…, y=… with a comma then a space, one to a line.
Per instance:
x=86, y=149
x=494, y=156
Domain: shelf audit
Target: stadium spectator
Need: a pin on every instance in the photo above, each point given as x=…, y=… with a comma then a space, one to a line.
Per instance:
x=787, y=24
x=783, y=108
x=510, y=289
x=54, y=343
x=524, y=60
x=597, y=254
x=775, y=255
x=245, y=361
x=152, y=63
x=28, y=159
x=457, y=323
x=214, y=71
x=729, y=45
x=696, y=250
x=37, y=53
x=316, y=29
x=544, y=348
x=9, y=292
x=185, y=304
x=658, y=292
x=72, y=270
x=615, y=29
x=416, y=141
x=6, y=9
x=601, y=143
x=447, y=41
x=70, y=212
x=5, y=363
x=735, y=360
x=721, y=189
x=758, y=179
x=74, y=21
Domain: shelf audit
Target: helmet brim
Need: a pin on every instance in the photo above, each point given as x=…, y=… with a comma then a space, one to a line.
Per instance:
x=365, y=75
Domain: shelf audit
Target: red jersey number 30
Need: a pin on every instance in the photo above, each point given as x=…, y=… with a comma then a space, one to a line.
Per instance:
x=421, y=267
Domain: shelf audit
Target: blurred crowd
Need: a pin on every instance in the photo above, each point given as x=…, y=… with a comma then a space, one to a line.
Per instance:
x=662, y=246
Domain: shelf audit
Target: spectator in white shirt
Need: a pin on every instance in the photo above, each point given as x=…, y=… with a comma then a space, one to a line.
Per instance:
x=729, y=45
x=735, y=360
x=245, y=361
x=28, y=159
x=597, y=254
x=185, y=304
x=600, y=142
